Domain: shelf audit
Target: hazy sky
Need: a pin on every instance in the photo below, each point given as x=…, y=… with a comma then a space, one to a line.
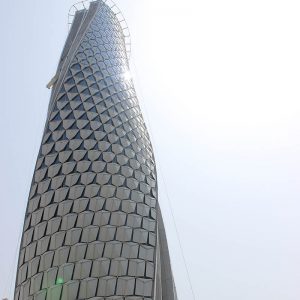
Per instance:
x=218, y=82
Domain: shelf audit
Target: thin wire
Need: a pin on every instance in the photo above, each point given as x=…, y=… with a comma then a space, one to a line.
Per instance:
x=15, y=262
x=1, y=287
x=8, y=284
x=14, y=265
x=165, y=187
x=177, y=231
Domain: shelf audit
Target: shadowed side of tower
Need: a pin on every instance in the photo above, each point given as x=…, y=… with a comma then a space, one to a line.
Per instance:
x=93, y=228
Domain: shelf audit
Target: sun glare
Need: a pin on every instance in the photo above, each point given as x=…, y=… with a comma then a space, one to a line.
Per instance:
x=127, y=75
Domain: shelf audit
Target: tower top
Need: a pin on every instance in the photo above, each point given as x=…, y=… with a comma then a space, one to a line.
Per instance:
x=85, y=4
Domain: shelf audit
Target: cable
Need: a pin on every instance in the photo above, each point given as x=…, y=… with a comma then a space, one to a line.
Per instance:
x=165, y=187
x=9, y=279
x=1, y=287
x=15, y=262
x=9, y=287
x=177, y=232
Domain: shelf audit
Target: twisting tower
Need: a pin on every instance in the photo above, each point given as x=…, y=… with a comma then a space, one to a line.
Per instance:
x=93, y=228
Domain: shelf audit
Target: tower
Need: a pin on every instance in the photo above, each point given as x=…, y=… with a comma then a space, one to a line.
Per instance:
x=93, y=228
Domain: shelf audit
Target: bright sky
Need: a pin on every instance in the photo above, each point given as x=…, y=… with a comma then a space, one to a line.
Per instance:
x=218, y=82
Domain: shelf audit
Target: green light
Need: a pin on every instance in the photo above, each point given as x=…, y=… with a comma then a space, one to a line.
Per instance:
x=59, y=280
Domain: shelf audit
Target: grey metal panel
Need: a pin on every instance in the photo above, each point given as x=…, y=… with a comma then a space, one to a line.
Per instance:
x=107, y=286
x=88, y=288
x=136, y=267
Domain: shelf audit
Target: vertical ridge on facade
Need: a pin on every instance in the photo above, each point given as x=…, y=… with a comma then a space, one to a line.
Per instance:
x=93, y=228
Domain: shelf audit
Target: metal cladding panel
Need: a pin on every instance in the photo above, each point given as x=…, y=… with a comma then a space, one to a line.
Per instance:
x=91, y=227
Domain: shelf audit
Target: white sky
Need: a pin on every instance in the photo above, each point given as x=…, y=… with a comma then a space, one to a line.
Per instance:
x=219, y=83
